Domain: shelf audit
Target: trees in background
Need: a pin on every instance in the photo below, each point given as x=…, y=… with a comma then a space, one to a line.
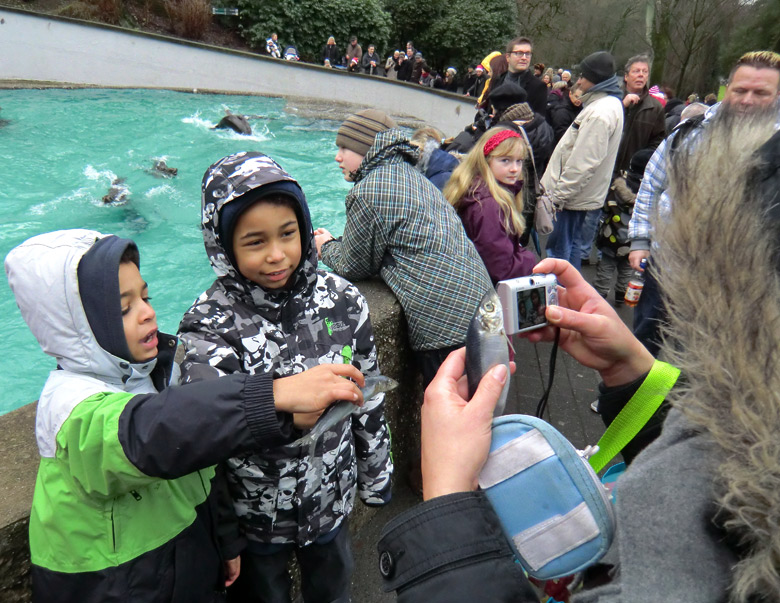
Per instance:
x=307, y=24
x=692, y=42
x=450, y=32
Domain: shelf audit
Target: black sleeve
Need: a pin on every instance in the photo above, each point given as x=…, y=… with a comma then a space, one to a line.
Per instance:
x=231, y=541
x=611, y=402
x=537, y=96
x=190, y=427
x=451, y=549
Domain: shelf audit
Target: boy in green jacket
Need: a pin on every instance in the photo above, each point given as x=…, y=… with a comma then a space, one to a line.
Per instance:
x=124, y=507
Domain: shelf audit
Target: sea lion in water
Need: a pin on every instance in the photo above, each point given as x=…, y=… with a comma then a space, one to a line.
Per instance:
x=160, y=169
x=118, y=193
x=237, y=123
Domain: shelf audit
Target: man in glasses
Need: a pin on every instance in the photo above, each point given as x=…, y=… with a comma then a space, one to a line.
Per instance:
x=518, y=57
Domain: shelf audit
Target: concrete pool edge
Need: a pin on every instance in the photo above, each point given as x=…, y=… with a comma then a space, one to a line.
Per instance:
x=62, y=52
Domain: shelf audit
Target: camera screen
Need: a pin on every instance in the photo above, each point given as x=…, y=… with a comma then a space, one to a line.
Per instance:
x=530, y=307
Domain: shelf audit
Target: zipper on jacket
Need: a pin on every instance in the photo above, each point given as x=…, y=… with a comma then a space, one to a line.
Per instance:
x=113, y=527
x=135, y=494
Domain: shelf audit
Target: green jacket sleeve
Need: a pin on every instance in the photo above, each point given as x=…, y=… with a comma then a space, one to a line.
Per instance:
x=114, y=442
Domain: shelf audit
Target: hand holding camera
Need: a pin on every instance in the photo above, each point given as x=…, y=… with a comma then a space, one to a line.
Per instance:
x=591, y=332
x=524, y=301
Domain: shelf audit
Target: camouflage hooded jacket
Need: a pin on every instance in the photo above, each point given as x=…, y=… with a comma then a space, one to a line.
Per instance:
x=281, y=495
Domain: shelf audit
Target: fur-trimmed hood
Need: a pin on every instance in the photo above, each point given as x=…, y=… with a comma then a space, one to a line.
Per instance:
x=718, y=253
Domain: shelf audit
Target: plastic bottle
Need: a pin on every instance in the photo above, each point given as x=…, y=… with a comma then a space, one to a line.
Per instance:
x=636, y=284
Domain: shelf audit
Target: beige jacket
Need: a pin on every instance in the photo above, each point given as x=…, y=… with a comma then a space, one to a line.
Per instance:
x=580, y=169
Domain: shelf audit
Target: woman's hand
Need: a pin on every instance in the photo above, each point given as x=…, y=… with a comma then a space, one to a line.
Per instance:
x=591, y=332
x=456, y=432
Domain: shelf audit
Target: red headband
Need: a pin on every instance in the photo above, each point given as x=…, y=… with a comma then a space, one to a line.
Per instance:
x=497, y=139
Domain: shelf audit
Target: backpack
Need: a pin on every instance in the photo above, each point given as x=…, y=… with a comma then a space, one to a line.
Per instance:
x=612, y=233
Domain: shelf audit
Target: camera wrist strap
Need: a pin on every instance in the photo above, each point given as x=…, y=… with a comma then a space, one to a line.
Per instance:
x=542, y=405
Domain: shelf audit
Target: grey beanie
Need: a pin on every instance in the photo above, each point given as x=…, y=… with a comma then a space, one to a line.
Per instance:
x=598, y=67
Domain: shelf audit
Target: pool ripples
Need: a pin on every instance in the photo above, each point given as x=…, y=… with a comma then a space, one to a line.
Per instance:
x=63, y=149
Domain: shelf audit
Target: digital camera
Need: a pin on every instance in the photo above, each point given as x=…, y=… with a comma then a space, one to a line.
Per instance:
x=525, y=299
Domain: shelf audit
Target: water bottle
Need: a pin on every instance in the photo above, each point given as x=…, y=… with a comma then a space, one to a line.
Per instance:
x=636, y=284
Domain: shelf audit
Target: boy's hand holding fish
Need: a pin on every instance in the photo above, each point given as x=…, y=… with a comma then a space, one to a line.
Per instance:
x=591, y=332
x=313, y=390
x=455, y=431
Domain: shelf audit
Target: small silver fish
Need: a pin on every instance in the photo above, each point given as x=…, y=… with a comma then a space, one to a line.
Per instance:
x=335, y=413
x=487, y=345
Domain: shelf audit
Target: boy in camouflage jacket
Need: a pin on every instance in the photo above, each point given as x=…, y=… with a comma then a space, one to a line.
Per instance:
x=271, y=311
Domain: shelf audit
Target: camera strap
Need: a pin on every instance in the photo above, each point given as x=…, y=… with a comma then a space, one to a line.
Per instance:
x=542, y=405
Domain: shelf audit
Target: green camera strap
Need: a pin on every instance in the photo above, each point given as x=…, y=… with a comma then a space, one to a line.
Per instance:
x=636, y=413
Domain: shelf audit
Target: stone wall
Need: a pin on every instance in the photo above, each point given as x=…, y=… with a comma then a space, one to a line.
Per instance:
x=19, y=453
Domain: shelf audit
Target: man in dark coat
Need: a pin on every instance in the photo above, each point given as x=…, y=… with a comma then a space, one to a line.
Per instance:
x=371, y=63
x=405, y=66
x=644, y=118
x=518, y=56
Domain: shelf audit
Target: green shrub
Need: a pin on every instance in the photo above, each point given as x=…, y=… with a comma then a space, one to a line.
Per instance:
x=307, y=24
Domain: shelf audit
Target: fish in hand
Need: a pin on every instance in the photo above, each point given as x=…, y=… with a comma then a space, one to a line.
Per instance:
x=337, y=412
x=487, y=345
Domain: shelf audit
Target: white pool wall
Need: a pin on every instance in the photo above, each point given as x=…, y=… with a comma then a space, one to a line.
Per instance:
x=45, y=48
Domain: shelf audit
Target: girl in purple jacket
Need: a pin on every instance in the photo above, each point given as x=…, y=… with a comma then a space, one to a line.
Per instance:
x=485, y=189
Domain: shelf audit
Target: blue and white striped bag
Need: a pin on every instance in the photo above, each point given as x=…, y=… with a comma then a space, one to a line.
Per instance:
x=555, y=512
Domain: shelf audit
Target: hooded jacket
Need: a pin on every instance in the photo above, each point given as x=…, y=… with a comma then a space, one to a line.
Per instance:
x=123, y=507
x=580, y=169
x=483, y=220
x=400, y=226
x=281, y=495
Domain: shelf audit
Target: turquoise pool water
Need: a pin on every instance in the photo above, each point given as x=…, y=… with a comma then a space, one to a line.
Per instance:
x=62, y=149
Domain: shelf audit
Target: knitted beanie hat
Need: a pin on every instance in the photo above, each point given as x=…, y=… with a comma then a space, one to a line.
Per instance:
x=505, y=95
x=358, y=131
x=598, y=67
x=518, y=112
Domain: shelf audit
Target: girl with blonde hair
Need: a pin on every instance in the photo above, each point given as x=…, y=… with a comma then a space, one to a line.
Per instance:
x=486, y=191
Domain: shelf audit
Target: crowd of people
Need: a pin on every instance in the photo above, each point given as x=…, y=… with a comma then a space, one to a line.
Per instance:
x=169, y=466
